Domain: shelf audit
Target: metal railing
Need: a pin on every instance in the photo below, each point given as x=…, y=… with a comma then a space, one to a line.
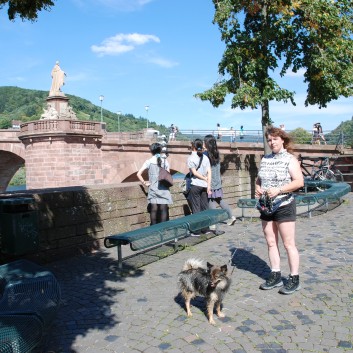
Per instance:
x=340, y=140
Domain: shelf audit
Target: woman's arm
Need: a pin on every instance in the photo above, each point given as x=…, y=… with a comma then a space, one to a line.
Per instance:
x=209, y=178
x=139, y=176
x=258, y=189
x=197, y=174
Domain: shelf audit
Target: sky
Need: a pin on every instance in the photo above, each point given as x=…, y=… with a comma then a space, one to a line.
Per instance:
x=138, y=53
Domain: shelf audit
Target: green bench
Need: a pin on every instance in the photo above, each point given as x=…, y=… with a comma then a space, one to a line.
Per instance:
x=165, y=232
x=20, y=332
x=246, y=203
x=333, y=191
x=29, y=300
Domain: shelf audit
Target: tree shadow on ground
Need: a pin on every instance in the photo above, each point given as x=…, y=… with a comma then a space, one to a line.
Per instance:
x=243, y=259
x=90, y=288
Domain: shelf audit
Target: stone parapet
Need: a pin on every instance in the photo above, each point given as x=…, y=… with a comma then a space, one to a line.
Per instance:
x=46, y=127
x=75, y=220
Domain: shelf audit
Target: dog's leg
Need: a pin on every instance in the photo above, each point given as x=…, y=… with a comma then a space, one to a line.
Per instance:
x=188, y=297
x=210, y=307
x=219, y=310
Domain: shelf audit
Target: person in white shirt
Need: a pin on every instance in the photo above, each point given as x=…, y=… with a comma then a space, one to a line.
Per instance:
x=159, y=197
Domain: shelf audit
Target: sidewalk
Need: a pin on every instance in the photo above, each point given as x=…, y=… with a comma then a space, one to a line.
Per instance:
x=105, y=311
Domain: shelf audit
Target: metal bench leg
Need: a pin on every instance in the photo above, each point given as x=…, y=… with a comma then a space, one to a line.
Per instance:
x=120, y=257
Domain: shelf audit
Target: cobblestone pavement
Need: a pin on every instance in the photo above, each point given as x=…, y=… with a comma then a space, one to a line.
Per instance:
x=106, y=311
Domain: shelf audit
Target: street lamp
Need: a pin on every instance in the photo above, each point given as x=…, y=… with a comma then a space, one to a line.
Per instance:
x=101, y=99
x=146, y=108
x=119, y=113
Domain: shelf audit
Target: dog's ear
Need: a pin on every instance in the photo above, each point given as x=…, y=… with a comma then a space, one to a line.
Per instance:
x=209, y=266
x=224, y=268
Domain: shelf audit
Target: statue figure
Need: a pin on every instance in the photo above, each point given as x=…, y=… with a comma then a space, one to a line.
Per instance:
x=58, y=76
x=50, y=113
x=68, y=114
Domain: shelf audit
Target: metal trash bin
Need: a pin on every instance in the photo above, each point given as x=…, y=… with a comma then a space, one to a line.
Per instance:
x=18, y=226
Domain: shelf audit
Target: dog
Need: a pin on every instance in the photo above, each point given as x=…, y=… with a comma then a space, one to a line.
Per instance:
x=211, y=282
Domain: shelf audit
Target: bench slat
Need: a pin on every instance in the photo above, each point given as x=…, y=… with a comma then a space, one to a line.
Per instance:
x=164, y=232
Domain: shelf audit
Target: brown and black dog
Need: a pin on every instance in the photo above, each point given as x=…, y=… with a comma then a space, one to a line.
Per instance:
x=211, y=282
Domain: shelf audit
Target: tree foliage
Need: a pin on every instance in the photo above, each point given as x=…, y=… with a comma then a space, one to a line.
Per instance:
x=25, y=9
x=300, y=136
x=262, y=36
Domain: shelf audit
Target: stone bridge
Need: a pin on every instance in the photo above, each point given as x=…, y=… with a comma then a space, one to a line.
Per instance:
x=61, y=153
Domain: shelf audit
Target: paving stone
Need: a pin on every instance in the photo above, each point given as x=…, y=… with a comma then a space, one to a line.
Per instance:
x=139, y=309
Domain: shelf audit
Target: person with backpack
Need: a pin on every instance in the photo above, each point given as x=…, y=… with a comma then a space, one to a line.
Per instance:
x=320, y=132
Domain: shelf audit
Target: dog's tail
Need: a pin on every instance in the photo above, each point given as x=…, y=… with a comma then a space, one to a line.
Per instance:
x=193, y=264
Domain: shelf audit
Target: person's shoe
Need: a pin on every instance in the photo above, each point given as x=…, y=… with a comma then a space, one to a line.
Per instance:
x=218, y=232
x=231, y=221
x=274, y=280
x=292, y=284
x=209, y=231
x=194, y=234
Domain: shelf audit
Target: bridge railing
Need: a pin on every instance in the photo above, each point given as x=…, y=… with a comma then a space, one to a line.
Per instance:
x=340, y=139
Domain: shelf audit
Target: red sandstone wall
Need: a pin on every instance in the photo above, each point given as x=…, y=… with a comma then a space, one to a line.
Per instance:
x=76, y=220
x=63, y=163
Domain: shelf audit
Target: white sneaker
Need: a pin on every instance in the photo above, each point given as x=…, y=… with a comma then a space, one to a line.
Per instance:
x=231, y=221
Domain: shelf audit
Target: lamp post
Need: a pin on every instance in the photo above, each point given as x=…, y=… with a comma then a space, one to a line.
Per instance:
x=101, y=99
x=119, y=113
x=146, y=108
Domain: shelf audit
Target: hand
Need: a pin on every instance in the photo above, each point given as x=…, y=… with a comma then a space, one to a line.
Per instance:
x=273, y=192
x=258, y=191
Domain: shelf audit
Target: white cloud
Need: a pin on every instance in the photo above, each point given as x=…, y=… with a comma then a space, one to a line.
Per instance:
x=122, y=43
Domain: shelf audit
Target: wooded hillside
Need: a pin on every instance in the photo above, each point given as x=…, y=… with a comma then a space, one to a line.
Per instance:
x=26, y=105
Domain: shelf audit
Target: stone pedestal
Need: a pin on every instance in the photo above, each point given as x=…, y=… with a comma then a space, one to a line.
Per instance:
x=58, y=108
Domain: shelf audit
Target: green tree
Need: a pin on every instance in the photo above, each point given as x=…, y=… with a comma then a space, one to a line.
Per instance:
x=264, y=35
x=300, y=136
x=25, y=9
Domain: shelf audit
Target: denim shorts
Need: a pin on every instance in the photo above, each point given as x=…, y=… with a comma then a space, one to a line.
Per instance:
x=286, y=213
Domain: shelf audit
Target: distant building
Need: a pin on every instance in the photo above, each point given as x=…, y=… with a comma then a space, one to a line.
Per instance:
x=16, y=124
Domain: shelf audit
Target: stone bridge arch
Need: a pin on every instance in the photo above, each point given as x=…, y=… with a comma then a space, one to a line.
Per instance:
x=125, y=170
x=11, y=159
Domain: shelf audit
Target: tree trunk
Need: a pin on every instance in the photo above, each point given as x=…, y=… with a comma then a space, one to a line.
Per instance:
x=264, y=122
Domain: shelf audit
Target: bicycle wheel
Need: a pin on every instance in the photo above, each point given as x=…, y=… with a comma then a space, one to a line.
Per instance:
x=324, y=174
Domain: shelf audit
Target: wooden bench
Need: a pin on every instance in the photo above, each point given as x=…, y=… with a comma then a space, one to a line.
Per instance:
x=332, y=193
x=29, y=300
x=165, y=232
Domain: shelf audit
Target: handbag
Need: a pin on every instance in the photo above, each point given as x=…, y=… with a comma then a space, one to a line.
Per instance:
x=268, y=206
x=186, y=184
x=165, y=178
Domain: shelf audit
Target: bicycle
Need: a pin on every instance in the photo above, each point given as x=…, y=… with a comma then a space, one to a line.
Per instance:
x=328, y=171
x=325, y=170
